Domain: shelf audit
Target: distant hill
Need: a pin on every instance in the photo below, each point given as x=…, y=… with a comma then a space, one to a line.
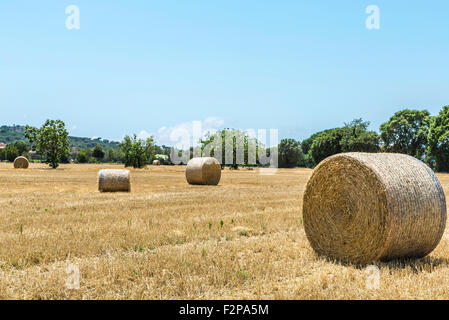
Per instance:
x=10, y=134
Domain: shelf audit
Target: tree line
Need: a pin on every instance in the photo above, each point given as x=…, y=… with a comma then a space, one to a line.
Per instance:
x=50, y=144
x=409, y=131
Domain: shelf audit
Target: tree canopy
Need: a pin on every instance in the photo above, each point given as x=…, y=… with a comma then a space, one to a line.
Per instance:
x=290, y=154
x=232, y=147
x=438, y=140
x=406, y=132
x=136, y=152
x=352, y=137
x=51, y=141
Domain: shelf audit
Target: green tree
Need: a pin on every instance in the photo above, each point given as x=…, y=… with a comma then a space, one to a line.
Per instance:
x=306, y=146
x=21, y=146
x=352, y=137
x=326, y=144
x=364, y=142
x=237, y=147
x=98, y=152
x=406, y=132
x=307, y=143
x=438, y=140
x=112, y=155
x=357, y=138
x=82, y=157
x=150, y=149
x=11, y=152
x=135, y=151
x=308, y=160
x=51, y=140
x=290, y=154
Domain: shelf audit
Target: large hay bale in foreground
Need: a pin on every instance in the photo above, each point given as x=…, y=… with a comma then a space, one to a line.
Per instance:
x=21, y=163
x=111, y=180
x=203, y=171
x=361, y=207
x=156, y=163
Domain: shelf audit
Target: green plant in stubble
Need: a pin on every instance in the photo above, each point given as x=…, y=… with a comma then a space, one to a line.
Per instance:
x=139, y=248
x=242, y=274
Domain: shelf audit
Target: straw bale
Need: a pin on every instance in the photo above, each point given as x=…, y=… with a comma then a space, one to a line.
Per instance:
x=21, y=163
x=111, y=180
x=203, y=171
x=362, y=207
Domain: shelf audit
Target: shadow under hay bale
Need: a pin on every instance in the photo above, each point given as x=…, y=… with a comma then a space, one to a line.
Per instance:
x=111, y=180
x=361, y=207
x=203, y=171
x=21, y=163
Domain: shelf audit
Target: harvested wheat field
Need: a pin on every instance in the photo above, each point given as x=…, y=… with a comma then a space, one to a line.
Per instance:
x=242, y=239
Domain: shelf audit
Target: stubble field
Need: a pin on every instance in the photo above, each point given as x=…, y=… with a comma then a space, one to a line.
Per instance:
x=243, y=239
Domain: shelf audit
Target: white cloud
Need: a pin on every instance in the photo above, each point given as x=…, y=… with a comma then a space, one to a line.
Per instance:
x=187, y=134
x=144, y=135
x=213, y=122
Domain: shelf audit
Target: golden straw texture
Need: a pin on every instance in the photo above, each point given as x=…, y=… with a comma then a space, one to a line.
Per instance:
x=364, y=207
x=203, y=171
x=110, y=180
x=156, y=163
x=21, y=163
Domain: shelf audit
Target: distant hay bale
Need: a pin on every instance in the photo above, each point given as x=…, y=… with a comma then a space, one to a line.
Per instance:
x=156, y=163
x=203, y=171
x=361, y=208
x=111, y=180
x=21, y=163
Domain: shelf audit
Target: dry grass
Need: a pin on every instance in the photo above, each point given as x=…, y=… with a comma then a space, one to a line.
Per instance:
x=170, y=240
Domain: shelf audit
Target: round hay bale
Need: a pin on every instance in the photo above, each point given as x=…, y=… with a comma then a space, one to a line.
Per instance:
x=111, y=180
x=156, y=163
x=21, y=163
x=203, y=171
x=362, y=207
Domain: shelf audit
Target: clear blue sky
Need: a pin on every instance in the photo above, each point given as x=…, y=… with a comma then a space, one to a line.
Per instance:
x=299, y=66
